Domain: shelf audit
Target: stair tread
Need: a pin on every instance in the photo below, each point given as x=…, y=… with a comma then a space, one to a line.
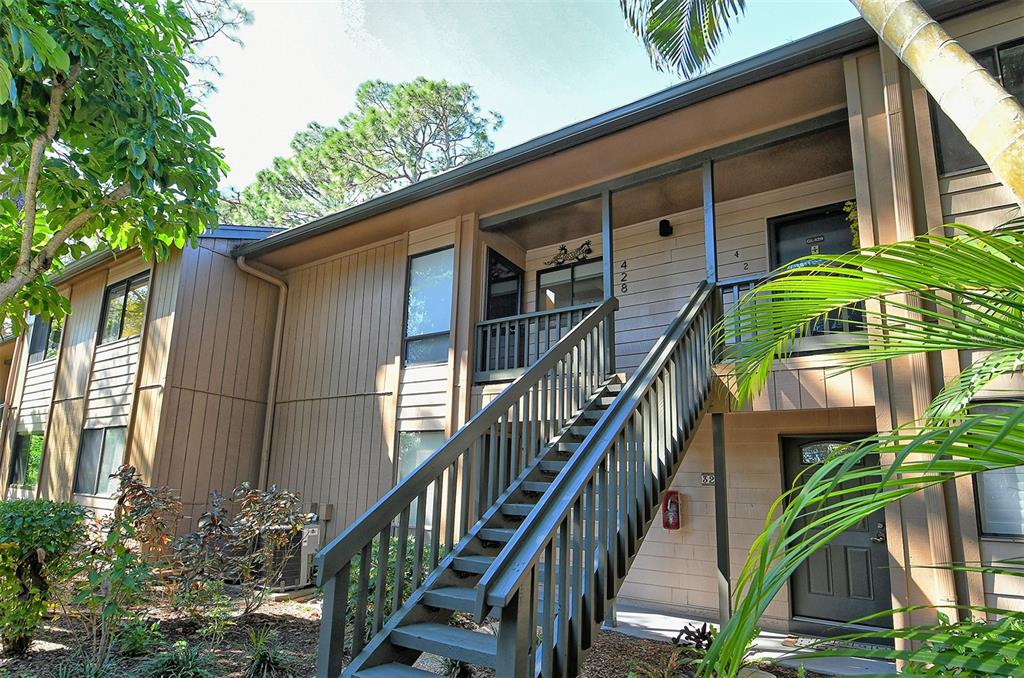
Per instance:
x=448, y=641
x=536, y=485
x=495, y=533
x=473, y=563
x=517, y=509
x=450, y=598
x=393, y=671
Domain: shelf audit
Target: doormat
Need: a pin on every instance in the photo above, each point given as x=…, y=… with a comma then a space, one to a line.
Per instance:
x=819, y=643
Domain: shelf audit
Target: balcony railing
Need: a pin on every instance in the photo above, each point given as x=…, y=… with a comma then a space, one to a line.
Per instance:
x=826, y=331
x=507, y=346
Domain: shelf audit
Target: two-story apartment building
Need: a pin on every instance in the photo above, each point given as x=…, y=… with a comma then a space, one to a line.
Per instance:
x=336, y=357
x=160, y=365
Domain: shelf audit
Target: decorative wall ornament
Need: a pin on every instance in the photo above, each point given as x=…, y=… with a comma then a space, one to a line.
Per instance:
x=565, y=255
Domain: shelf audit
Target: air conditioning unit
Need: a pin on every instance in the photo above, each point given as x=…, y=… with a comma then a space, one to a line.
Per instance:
x=299, y=571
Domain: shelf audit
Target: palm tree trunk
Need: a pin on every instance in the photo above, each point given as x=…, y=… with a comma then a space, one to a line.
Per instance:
x=990, y=118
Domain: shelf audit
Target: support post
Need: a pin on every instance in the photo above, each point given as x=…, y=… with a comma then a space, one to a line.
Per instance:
x=331, y=650
x=721, y=518
x=608, y=269
x=710, y=232
x=516, y=631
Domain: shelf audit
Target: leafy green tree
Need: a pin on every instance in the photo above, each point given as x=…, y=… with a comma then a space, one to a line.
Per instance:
x=100, y=144
x=935, y=293
x=397, y=135
x=684, y=35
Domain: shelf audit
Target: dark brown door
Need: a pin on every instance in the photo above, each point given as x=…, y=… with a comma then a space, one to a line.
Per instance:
x=849, y=578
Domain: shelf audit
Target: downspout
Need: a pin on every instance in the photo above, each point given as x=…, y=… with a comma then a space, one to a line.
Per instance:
x=275, y=361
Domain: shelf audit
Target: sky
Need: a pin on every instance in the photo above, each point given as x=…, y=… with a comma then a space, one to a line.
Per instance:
x=542, y=65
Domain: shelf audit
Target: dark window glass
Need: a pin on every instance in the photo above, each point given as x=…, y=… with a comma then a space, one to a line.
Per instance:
x=26, y=460
x=124, y=309
x=953, y=152
x=572, y=285
x=413, y=449
x=429, y=307
x=99, y=455
x=44, y=342
x=504, y=286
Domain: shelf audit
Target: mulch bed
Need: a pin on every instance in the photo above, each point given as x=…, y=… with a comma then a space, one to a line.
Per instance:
x=614, y=655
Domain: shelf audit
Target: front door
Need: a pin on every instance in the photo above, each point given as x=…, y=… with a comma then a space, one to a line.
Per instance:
x=849, y=578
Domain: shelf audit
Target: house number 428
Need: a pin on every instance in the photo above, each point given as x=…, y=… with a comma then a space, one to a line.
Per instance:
x=623, y=277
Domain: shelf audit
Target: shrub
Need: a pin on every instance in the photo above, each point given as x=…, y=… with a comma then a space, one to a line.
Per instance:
x=114, y=569
x=36, y=536
x=264, y=532
x=180, y=661
x=136, y=636
x=265, y=659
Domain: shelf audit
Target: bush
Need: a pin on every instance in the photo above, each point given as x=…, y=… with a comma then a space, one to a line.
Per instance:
x=115, y=572
x=180, y=661
x=36, y=536
x=266, y=659
x=136, y=636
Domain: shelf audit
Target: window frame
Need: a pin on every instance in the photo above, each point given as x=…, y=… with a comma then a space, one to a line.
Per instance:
x=127, y=282
x=49, y=351
x=934, y=110
x=406, y=337
x=572, y=281
x=16, y=450
x=99, y=466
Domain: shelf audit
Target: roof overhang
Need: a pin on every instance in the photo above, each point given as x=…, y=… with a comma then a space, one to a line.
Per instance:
x=833, y=42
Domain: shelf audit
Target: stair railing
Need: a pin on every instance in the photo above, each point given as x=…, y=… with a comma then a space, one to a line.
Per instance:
x=425, y=515
x=566, y=561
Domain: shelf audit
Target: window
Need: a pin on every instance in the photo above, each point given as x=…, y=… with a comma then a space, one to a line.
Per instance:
x=26, y=460
x=571, y=285
x=44, y=341
x=124, y=308
x=504, y=286
x=953, y=153
x=99, y=455
x=413, y=448
x=1001, y=501
x=428, y=314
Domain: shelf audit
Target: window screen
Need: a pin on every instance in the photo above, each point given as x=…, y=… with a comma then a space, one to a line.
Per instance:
x=26, y=460
x=413, y=448
x=99, y=455
x=953, y=152
x=124, y=309
x=429, y=307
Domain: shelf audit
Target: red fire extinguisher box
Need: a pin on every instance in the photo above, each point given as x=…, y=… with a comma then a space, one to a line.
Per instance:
x=671, y=510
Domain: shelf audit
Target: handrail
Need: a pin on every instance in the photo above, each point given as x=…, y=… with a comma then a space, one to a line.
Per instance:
x=566, y=561
x=343, y=548
x=452, y=489
x=538, y=314
x=500, y=581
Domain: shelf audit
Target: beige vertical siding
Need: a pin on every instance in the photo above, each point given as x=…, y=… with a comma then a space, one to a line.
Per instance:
x=662, y=273
x=153, y=362
x=675, y=569
x=211, y=409
x=75, y=364
x=334, y=419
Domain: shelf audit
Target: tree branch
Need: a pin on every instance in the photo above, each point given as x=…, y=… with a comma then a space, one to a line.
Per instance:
x=35, y=162
x=40, y=263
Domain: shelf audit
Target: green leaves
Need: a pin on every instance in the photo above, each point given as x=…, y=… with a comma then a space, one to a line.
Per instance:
x=126, y=121
x=681, y=35
x=397, y=135
x=963, y=292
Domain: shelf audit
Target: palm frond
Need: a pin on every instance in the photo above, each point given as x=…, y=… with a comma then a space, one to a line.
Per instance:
x=844, y=489
x=933, y=293
x=681, y=35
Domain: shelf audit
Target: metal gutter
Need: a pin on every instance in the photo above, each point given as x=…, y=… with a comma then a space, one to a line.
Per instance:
x=830, y=43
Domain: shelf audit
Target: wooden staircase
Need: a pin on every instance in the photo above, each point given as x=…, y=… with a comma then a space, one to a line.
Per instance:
x=528, y=517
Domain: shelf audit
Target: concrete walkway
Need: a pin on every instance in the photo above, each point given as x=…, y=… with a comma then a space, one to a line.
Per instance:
x=779, y=647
